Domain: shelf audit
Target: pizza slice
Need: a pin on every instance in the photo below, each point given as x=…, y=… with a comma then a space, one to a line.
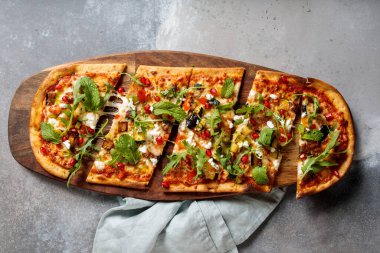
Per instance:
x=65, y=112
x=326, y=138
x=265, y=127
x=141, y=127
x=198, y=159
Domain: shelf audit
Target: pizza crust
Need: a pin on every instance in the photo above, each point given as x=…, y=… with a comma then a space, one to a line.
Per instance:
x=210, y=187
x=37, y=107
x=129, y=183
x=338, y=101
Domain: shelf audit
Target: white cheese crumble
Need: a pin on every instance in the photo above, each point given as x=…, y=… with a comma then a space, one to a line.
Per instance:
x=90, y=119
x=259, y=153
x=238, y=117
x=208, y=145
x=154, y=161
x=190, y=138
x=182, y=126
x=99, y=165
x=230, y=124
x=270, y=124
x=213, y=164
x=273, y=96
x=62, y=105
x=245, y=144
x=66, y=143
x=303, y=115
x=272, y=149
x=55, y=123
x=151, y=108
x=143, y=149
x=252, y=93
x=127, y=105
x=209, y=96
x=152, y=134
x=276, y=163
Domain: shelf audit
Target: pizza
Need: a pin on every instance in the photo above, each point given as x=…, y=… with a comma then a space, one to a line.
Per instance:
x=141, y=127
x=326, y=138
x=265, y=127
x=219, y=146
x=65, y=113
x=198, y=160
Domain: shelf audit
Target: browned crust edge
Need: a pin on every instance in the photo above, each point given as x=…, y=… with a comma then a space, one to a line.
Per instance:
x=99, y=179
x=210, y=187
x=339, y=102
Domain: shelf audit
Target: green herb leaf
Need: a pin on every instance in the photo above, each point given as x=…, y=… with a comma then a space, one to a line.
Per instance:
x=301, y=129
x=174, y=160
x=168, y=108
x=259, y=174
x=265, y=137
x=49, y=134
x=250, y=109
x=228, y=88
x=225, y=108
x=127, y=147
x=313, y=164
x=201, y=160
x=91, y=100
x=313, y=135
x=213, y=120
x=135, y=79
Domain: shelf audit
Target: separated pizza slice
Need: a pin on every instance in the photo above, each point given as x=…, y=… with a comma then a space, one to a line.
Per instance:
x=198, y=159
x=65, y=112
x=326, y=138
x=144, y=119
x=264, y=127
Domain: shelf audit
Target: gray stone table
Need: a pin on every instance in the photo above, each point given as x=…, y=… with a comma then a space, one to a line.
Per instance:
x=336, y=41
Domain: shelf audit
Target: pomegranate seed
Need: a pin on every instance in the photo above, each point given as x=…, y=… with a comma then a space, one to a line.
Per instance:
x=159, y=140
x=266, y=103
x=120, y=166
x=329, y=117
x=282, y=138
x=58, y=87
x=72, y=162
x=64, y=138
x=207, y=105
x=81, y=140
x=253, y=122
x=90, y=130
x=303, y=156
x=244, y=159
x=289, y=135
x=282, y=112
x=255, y=135
x=207, y=133
x=157, y=98
x=313, y=126
x=165, y=185
x=213, y=91
x=120, y=90
x=65, y=99
x=145, y=81
x=336, y=173
x=43, y=150
x=208, y=152
x=147, y=108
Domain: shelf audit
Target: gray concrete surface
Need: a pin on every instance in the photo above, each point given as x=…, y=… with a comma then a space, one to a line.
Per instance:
x=336, y=41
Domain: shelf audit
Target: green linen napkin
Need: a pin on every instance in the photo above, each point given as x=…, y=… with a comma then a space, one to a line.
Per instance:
x=184, y=226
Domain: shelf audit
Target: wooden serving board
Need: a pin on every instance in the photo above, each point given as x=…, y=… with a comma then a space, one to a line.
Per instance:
x=19, y=115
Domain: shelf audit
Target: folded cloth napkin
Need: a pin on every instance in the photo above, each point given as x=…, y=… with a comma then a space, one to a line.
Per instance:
x=184, y=226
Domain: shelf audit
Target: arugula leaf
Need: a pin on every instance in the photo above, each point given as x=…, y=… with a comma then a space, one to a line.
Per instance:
x=201, y=160
x=91, y=100
x=313, y=165
x=49, y=134
x=213, y=121
x=261, y=98
x=301, y=129
x=313, y=114
x=228, y=88
x=259, y=174
x=265, y=137
x=174, y=160
x=134, y=79
x=250, y=109
x=313, y=135
x=165, y=107
x=126, y=147
x=225, y=108
x=85, y=150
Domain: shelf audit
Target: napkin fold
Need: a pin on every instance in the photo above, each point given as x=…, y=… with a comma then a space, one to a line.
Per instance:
x=184, y=226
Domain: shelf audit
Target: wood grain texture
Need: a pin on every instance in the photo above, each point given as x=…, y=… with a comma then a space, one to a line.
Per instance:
x=19, y=115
